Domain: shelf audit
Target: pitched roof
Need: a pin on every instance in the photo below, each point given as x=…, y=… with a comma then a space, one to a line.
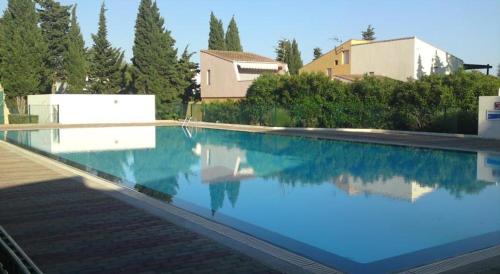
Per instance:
x=239, y=56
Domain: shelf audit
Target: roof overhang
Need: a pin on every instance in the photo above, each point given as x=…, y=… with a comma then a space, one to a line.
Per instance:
x=258, y=66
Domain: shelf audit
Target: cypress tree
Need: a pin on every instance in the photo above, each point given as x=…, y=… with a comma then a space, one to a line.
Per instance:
x=295, y=62
x=54, y=21
x=216, y=36
x=233, y=37
x=369, y=33
x=76, y=61
x=22, y=52
x=155, y=61
x=106, y=61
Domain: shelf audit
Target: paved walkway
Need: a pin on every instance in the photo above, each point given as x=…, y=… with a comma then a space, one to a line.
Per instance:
x=67, y=227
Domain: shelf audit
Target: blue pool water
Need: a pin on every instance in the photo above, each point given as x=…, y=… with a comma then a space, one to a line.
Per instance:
x=354, y=206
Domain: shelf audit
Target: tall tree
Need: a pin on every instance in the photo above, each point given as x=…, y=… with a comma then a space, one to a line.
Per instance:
x=22, y=52
x=157, y=69
x=54, y=21
x=369, y=33
x=76, y=61
x=283, y=51
x=498, y=70
x=317, y=53
x=190, y=69
x=106, y=61
x=233, y=37
x=295, y=62
x=216, y=39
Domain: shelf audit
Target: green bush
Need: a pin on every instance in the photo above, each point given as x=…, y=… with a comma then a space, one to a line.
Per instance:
x=438, y=103
x=223, y=112
x=23, y=119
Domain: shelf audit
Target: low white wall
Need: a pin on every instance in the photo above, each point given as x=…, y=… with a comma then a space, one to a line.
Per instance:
x=68, y=140
x=93, y=108
x=489, y=127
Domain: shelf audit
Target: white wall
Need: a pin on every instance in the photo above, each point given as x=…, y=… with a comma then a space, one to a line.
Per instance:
x=399, y=59
x=427, y=54
x=488, y=128
x=94, y=108
x=392, y=58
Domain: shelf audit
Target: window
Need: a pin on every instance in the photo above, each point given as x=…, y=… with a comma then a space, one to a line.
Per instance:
x=329, y=72
x=336, y=62
x=209, y=77
x=345, y=57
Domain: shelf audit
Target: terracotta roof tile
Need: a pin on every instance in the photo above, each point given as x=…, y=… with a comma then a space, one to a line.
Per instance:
x=239, y=56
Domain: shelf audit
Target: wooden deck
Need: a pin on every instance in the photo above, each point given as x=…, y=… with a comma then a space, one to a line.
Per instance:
x=67, y=227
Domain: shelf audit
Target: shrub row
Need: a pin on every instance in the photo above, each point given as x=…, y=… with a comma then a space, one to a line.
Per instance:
x=439, y=103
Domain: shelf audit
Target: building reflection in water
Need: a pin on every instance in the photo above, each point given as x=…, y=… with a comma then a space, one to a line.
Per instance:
x=222, y=168
x=488, y=167
x=394, y=187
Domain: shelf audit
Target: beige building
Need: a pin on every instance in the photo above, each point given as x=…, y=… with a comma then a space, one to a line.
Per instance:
x=396, y=187
x=229, y=74
x=336, y=64
x=400, y=59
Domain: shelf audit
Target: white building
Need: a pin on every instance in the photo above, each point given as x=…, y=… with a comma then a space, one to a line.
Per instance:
x=401, y=59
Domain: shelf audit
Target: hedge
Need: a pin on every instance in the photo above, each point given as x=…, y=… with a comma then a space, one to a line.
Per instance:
x=437, y=103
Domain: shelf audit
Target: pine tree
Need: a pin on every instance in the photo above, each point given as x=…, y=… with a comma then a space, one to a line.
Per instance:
x=22, y=52
x=498, y=70
x=76, y=61
x=295, y=62
x=54, y=21
x=317, y=53
x=369, y=33
x=233, y=37
x=216, y=36
x=190, y=69
x=155, y=61
x=106, y=61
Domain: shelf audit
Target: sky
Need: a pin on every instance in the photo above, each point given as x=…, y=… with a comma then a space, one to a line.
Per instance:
x=467, y=29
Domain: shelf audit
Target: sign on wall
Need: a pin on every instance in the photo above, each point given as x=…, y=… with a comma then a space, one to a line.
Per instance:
x=497, y=105
x=493, y=115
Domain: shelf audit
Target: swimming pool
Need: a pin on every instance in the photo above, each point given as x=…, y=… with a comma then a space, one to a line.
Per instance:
x=357, y=207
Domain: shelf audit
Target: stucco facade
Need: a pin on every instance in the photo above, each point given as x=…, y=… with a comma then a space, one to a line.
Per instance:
x=335, y=62
x=228, y=75
x=402, y=59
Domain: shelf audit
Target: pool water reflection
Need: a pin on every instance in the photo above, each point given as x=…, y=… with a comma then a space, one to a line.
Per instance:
x=363, y=203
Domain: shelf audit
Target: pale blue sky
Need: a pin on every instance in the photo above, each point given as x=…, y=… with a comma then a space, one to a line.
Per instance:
x=467, y=29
